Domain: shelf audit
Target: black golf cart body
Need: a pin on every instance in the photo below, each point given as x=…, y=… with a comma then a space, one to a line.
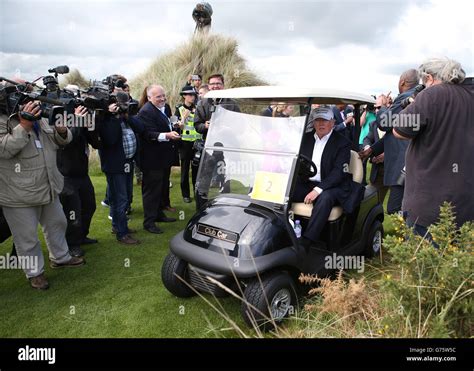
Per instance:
x=248, y=171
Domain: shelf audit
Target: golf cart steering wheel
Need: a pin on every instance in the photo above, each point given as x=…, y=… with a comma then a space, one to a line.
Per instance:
x=307, y=168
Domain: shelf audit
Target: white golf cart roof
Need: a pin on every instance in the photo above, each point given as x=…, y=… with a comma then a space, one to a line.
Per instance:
x=292, y=95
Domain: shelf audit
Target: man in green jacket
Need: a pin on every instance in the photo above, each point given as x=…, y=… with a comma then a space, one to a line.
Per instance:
x=30, y=183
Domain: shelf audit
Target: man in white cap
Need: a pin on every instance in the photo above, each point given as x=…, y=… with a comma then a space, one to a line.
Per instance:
x=331, y=153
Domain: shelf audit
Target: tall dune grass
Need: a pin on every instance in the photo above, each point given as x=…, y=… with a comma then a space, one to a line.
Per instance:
x=201, y=54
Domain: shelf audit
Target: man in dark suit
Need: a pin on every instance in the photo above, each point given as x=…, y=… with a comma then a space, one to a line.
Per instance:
x=158, y=152
x=78, y=194
x=376, y=173
x=394, y=150
x=118, y=150
x=331, y=153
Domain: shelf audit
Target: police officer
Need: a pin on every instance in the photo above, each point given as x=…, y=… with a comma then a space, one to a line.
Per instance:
x=185, y=113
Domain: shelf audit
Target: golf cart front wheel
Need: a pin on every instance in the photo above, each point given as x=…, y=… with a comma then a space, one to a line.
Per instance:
x=374, y=239
x=268, y=300
x=174, y=275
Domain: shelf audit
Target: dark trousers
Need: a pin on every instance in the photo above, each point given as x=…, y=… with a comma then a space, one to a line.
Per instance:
x=154, y=182
x=378, y=184
x=186, y=154
x=5, y=232
x=394, y=204
x=321, y=208
x=165, y=194
x=78, y=201
x=118, y=201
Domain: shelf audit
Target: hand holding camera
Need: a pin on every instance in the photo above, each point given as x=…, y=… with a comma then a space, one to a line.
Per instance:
x=366, y=152
x=113, y=108
x=29, y=113
x=81, y=111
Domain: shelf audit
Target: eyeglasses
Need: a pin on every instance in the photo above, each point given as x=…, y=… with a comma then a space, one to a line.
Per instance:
x=377, y=107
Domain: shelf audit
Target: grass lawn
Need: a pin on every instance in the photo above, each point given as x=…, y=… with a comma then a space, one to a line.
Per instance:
x=107, y=298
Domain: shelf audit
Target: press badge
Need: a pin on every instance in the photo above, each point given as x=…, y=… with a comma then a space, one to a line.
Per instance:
x=38, y=144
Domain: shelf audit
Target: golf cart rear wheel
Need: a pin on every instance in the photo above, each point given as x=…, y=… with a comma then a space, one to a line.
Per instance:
x=269, y=300
x=174, y=267
x=374, y=239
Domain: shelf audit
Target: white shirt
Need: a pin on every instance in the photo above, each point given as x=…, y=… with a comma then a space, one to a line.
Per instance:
x=162, y=136
x=319, y=145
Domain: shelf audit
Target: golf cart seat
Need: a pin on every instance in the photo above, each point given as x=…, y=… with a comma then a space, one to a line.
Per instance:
x=357, y=171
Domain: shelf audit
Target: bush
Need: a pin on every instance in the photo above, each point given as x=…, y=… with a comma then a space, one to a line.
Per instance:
x=75, y=78
x=433, y=288
x=419, y=291
x=202, y=54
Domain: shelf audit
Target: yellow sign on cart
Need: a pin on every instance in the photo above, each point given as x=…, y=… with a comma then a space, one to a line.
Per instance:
x=270, y=187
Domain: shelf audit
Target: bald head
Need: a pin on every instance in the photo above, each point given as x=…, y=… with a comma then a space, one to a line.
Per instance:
x=408, y=80
x=156, y=95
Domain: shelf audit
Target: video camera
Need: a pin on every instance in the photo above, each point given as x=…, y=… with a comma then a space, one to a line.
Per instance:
x=407, y=101
x=56, y=101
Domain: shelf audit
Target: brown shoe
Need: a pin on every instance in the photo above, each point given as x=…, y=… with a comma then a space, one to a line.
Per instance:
x=129, y=231
x=128, y=240
x=170, y=209
x=73, y=262
x=39, y=282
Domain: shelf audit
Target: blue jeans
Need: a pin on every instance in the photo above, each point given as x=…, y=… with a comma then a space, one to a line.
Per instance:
x=129, y=177
x=118, y=201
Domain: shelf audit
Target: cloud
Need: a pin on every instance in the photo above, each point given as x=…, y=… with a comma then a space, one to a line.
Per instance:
x=355, y=45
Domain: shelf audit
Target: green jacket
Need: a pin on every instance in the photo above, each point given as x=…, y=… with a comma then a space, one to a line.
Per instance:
x=28, y=175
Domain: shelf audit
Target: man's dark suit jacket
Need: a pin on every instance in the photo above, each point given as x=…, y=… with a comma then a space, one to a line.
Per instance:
x=155, y=155
x=334, y=161
x=112, y=155
x=372, y=138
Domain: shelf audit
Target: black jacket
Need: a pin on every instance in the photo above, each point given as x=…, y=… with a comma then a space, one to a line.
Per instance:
x=112, y=155
x=72, y=159
x=203, y=112
x=154, y=154
x=371, y=139
x=334, y=161
x=394, y=149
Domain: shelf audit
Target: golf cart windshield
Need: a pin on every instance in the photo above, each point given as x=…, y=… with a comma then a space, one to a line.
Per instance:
x=250, y=154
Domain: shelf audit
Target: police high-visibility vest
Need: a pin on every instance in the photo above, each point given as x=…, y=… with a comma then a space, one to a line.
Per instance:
x=189, y=132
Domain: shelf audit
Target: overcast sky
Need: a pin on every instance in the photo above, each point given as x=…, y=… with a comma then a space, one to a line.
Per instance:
x=352, y=45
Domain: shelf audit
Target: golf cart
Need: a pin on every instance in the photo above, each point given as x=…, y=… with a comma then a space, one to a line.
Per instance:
x=243, y=237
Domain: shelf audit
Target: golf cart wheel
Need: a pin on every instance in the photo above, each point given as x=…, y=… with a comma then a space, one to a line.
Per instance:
x=374, y=239
x=269, y=300
x=173, y=267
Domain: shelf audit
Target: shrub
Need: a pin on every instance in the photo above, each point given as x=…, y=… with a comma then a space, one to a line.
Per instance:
x=202, y=54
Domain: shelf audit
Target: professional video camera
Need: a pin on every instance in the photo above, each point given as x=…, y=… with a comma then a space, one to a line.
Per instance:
x=407, y=101
x=56, y=101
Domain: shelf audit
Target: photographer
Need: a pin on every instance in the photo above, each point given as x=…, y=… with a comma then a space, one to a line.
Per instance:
x=439, y=158
x=30, y=183
x=185, y=113
x=78, y=195
x=393, y=150
x=119, y=148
